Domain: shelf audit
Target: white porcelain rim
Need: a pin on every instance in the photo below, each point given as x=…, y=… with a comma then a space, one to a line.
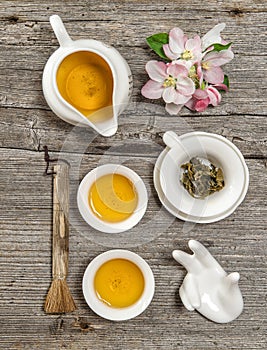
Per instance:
x=91, y=218
x=105, y=311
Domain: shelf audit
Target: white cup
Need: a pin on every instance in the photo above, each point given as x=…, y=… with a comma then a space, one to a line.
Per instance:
x=86, y=211
x=106, y=311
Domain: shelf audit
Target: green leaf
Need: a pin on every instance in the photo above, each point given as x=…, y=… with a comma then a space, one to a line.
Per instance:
x=220, y=47
x=156, y=43
x=226, y=81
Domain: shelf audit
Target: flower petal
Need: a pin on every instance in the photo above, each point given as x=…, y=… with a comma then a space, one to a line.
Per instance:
x=156, y=70
x=188, y=64
x=212, y=36
x=169, y=53
x=214, y=96
x=169, y=94
x=193, y=44
x=218, y=58
x=176, y=40
x=152, y=89
x=200, y=94
x=191, y=104
x=214, y=75
x=221, y=87
x=181, y=99
x=185, y=86
x=173, y=108
x=201, y=105
x=200, y=74
x=177, y=69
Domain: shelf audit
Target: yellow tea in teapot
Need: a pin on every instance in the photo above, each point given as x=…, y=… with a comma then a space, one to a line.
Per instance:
x=113, y=198
x=85, y=81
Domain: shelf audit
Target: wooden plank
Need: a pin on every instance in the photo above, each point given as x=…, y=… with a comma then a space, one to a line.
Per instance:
x=108, y=9
x=140, y=131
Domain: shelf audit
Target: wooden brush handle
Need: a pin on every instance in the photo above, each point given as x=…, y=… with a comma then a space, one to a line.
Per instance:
x=60, y=221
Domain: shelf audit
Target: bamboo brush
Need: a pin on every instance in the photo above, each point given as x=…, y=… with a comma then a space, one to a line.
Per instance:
x=59, y=298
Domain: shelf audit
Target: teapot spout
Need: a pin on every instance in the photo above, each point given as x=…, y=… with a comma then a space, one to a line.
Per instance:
x=104, y=121
x=107, y=129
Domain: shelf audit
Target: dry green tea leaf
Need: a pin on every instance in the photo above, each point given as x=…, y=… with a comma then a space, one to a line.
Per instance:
x=201, y=178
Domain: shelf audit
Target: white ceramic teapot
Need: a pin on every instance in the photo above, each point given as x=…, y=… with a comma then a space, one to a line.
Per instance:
x=102, y=117
x=207, y=288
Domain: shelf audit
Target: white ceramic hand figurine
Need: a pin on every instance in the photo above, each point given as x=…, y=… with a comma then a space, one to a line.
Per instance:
x=207, y=287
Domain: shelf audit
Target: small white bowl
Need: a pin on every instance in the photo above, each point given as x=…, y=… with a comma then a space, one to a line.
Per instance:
x=174, y=211
x=91, y=218
x=219, y=151
x=111, y=313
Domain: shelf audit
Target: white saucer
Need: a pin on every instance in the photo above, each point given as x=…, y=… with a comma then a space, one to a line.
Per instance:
x=202, y=213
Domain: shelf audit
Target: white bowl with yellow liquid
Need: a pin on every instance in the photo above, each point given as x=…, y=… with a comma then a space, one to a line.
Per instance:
x=118, y=285
x=86, y=82
x=112, y=198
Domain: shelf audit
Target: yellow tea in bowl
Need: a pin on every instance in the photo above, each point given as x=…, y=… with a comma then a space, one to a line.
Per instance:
x=119, y=283
x=113, y=198
x=85, y=81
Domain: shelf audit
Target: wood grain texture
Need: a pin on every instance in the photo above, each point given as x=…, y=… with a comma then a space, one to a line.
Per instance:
x=27, y=124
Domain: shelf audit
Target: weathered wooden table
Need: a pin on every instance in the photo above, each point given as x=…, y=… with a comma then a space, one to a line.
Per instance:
x=27, y=124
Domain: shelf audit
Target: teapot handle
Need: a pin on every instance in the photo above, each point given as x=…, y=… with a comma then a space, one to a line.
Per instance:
x=60, y=31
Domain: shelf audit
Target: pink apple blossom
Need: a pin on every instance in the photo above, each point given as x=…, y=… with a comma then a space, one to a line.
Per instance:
x=169, y=81
x=194, y=75
x=179, y=47
x=211, y=65
x=202, y=98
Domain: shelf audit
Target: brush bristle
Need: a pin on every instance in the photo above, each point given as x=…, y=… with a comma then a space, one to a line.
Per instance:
x=59, y=298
